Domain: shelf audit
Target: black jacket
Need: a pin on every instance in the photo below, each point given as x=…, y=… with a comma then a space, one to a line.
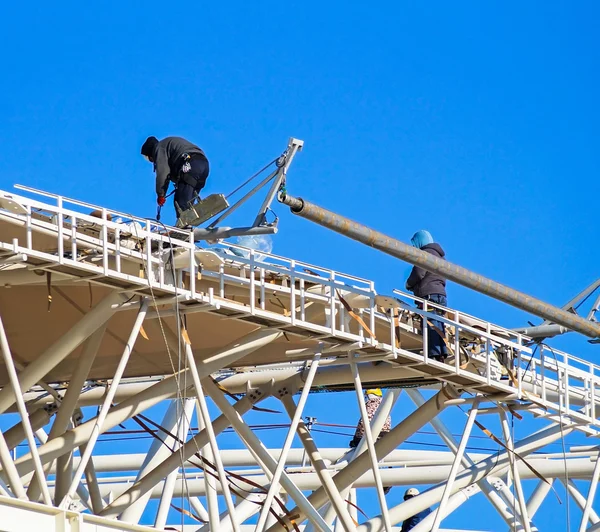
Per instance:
x=168, y=160
x=423, y=283
x=413, y=521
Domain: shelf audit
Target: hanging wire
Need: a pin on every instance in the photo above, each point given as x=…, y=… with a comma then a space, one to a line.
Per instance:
x=564, y=450
x=254, y=176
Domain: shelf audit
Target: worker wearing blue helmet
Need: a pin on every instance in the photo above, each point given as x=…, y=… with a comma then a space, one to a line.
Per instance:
x=432, y=287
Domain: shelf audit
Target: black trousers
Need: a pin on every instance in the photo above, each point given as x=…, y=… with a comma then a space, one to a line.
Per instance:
x=190, y=183
x=435, y=343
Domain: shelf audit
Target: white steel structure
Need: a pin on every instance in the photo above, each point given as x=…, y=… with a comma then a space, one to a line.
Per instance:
x=125, y=314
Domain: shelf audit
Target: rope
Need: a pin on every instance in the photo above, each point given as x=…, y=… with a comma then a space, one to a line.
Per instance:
x=251, y=178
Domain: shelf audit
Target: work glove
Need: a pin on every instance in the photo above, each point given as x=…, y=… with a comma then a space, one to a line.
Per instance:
x=161, y=200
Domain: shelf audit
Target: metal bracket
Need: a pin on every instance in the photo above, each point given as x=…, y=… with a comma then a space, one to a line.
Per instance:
x=260, y=225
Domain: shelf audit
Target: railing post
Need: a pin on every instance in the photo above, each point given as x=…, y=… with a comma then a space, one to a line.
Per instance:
x=456, y=342
x=425, y=327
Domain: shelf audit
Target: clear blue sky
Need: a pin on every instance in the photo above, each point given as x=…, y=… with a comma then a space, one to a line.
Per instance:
x=478, y=121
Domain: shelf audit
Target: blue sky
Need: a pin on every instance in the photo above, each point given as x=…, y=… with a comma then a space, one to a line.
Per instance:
x=477, y=121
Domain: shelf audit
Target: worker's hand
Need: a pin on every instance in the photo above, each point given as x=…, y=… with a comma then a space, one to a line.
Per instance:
x=161, y=200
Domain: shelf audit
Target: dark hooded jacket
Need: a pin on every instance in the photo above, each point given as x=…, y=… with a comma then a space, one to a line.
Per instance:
x=168, y=160
x=423, y=283
x=413, y=521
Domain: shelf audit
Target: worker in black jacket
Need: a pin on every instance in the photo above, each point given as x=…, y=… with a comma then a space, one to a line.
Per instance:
x=430, y=286
x=178, y=160
x=414, y=520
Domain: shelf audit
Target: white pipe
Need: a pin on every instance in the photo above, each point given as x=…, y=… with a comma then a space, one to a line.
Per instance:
x=337, y=501
x=210, y=487
x=454, y=468
x=10, y=470
x=253, y=442
x=579, y=498
x=537, y=497
x=160, y=448
x=98, y=426
x=233, y=352
x=262, y=520
x=18, y=397
x=310, y=481
x=370, y=446
x=454, y=502
x=591, y=494
x=470, y=475
x=388, y=443
x=60, y=349
x=524, y=517
x=167, y=494
x=212, y=440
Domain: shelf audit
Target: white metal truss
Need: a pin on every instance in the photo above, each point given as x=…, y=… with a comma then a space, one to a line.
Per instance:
x=347, y=337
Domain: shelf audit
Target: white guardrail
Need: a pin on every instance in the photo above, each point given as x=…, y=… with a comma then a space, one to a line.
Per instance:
x=143, y=253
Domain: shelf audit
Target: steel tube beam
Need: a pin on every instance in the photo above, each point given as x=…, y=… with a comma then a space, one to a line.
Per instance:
x=254, y=443
x=416, y=476
x=16, y=434
x=491, y=465
x=198, y=508
x=368, y=436
x=448, y=270
x=64, y=416
x=542, y=331
x=14, y=388
x=160, y=448
x=10, y=471
x=515, y=473
x=383, y=447
x=591, y=495
x=468, y=461
x=580, y=500
x=537, y=497
x=91, y=481
x=210, y=486
x=456, y=500
x=98, y=426
x=230, y=354
x=454, y=469
x=317, y=462
x=58, y=351
x=287, y=444
x=149, y=397
x=212, y=440
x=167, y=493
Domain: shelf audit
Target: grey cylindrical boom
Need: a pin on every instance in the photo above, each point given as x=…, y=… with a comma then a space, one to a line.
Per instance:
x=450, y=271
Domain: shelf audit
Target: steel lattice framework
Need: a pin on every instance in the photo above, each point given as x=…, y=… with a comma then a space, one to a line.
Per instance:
x=124, y=314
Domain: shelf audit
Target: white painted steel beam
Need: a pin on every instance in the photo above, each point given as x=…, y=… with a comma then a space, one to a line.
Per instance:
x=212, y=441
x=99, y=422
x=468, y=461
x=262, y=520
x=149, y=397
x=166, y=496
x=384, y=446
x=471, y=475
x=254, y=443
x=537, y=497
x=324, y=475
x=58, y=351
x=18, y=397
x=160, y=448
x=230, y=354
